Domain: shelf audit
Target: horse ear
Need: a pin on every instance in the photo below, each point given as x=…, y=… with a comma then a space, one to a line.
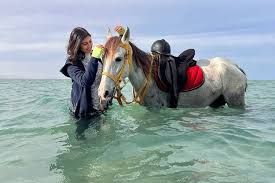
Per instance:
x=126, y=36
x=109, y=33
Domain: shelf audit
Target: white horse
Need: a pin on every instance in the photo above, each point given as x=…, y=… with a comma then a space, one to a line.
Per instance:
x=224, y=81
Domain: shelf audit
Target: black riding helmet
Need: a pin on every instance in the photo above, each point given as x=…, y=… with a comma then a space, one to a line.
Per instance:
x=161, y=47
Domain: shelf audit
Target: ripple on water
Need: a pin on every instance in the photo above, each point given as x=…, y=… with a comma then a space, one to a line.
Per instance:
x=133, y=143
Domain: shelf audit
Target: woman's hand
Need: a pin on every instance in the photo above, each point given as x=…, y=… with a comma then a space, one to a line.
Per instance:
x=120, y=30
x=98, y=51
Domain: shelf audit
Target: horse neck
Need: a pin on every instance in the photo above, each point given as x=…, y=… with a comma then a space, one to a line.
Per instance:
x=136, y=75
x=140, y=76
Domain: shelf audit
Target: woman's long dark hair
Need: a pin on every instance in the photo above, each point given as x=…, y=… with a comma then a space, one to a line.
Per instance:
x=73, y=49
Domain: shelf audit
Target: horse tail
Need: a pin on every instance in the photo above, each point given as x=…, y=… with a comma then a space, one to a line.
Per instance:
x=244, y=74
x=240, y=69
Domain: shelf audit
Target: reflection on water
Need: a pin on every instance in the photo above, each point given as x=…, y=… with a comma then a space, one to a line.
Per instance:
x=164, y=145
x=83, y=124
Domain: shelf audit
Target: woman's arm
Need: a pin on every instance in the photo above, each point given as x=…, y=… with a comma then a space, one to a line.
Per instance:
x=84, y=78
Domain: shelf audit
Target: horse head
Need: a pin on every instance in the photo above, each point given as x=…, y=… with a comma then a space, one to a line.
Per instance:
x=117, y=63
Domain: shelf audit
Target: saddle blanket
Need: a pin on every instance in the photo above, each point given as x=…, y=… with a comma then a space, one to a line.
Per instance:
x=195, y=78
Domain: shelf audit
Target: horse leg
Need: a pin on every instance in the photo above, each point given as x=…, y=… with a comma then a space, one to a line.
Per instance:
x=219, y=102
x=235, y=100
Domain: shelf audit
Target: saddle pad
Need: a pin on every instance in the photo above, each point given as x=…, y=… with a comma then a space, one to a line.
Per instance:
x=195, y=78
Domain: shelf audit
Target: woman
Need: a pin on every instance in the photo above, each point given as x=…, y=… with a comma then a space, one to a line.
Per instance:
x=85, y=70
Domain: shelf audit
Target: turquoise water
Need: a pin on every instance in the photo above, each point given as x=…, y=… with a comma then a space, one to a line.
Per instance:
x=133, y=144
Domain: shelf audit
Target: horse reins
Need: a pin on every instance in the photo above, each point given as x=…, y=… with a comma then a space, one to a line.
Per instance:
x=142, y=91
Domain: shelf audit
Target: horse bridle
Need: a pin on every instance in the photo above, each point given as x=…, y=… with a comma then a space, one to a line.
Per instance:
x=142, y=91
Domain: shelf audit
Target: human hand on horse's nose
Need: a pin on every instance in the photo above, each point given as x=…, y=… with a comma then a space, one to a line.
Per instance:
x=120, y=30
x=98, y=51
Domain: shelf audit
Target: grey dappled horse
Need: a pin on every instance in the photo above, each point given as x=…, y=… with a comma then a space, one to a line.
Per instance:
x=224, y=81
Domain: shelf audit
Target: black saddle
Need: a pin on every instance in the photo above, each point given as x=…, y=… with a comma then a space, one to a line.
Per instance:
x=172, y=72
x=184, y=60
x=187, y=56
x=168, y=76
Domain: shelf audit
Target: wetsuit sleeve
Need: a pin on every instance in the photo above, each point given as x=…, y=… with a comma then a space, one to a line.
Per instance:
x=84, y=78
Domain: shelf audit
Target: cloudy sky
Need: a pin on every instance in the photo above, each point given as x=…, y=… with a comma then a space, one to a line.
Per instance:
x=34, y=34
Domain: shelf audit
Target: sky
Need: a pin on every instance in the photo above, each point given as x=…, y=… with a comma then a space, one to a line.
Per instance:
x=34, y=34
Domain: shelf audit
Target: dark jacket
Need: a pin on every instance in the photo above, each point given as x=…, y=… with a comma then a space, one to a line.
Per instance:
x=81, y=88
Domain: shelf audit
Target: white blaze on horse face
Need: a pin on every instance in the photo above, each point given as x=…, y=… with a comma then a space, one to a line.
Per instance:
x=112, y=67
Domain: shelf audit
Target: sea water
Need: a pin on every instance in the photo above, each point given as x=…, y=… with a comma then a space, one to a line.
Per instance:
x=41, y=142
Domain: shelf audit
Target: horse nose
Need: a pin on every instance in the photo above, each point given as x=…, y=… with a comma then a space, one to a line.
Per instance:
x=106, y=93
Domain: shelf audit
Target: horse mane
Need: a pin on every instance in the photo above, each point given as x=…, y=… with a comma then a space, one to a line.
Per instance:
x=143, y=59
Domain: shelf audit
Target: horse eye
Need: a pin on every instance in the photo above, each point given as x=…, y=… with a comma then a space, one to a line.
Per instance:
x=118, y=59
